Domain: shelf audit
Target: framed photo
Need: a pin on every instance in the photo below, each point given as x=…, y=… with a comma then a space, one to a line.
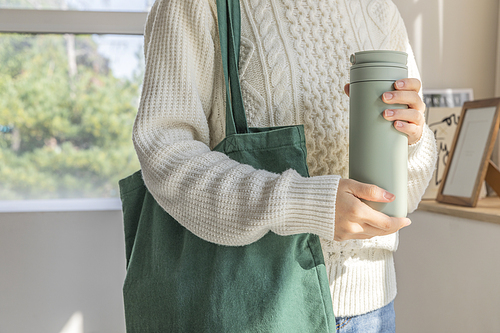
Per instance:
x=469, y=158
x=447, y=98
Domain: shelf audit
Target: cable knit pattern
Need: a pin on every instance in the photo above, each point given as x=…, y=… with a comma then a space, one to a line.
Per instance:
x=252, y=99
x=294, y=62
x=263, y=19
x=315, y=29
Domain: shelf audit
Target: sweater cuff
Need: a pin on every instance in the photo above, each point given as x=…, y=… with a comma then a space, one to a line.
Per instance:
x=426, y=137
x=310, y=206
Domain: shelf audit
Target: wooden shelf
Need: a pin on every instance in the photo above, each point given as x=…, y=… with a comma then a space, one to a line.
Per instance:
x=487, y=209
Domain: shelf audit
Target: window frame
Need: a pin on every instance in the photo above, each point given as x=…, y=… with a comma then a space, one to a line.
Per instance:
x=40, y=21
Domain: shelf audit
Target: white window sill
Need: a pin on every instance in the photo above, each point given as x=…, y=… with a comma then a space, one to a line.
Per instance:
x=60, y=205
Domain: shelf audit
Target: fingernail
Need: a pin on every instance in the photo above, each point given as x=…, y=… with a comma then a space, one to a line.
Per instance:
x=389, y=113
x=388, y=195
x=407, y=223
x=399, y=124
x=388, y=96
x=400, y=84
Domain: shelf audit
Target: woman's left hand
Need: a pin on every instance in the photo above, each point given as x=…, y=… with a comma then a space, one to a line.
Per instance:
x=408, y=121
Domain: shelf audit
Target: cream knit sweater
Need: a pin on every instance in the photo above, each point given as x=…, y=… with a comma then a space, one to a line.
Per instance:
x=294, y=64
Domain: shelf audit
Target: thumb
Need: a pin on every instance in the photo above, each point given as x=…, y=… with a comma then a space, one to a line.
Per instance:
x=347, y=89
x=371, y=192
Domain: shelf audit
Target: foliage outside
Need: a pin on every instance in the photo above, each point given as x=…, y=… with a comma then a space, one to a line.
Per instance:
x=65, y=120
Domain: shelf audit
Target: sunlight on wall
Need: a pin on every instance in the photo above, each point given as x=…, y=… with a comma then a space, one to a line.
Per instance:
x=441, y=29
x=426, y=27
x=417, y=40
x=74, y=324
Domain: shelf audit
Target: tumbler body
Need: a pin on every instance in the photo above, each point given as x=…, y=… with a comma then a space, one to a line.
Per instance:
x=378, y=153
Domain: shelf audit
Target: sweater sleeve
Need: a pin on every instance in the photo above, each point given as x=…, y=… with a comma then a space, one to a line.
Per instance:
x=422, y=158
x=216, y=198
x=422, y=155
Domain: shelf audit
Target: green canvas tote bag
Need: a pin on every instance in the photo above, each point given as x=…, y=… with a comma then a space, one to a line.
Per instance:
x=177, y=282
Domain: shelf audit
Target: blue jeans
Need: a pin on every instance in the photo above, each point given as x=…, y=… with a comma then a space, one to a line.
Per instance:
x=382, y=320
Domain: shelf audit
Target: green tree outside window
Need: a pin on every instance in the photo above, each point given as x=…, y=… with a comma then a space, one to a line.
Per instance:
x=66, y=119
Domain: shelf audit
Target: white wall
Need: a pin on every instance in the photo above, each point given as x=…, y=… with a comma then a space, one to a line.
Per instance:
x=448, y=276
x=455, y=42
x=53, y=265
x=447, y=267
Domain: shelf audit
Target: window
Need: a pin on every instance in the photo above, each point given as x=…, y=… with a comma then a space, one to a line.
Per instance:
x=97, y=5
x=68, y=100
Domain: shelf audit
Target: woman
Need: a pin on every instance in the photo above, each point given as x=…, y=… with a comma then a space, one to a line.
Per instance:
x=294, y=67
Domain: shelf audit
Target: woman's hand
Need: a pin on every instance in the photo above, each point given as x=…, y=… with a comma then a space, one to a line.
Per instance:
x=353, y=218
x=408, y=121
x=356, y=220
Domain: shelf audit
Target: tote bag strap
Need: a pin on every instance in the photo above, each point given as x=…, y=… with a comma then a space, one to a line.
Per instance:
x=229, y=18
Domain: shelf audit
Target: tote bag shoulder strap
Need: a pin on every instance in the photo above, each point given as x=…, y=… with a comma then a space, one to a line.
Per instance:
x=229, y=19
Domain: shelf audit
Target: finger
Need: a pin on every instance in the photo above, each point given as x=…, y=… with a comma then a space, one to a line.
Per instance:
x=413, y=131
x=374, y=223
x=410, y=98
x=410, y=84
x=361, y=230
x=370, y=192
x=408, y=115
x=347, y=89
x=344, y=237
x=394, y=224
x=354, y=230
x=366, y=230
x=385, y=224
x=371, y=231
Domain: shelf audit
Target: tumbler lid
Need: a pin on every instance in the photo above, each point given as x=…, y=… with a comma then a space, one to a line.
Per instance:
x=378, y=65
x=379, y=56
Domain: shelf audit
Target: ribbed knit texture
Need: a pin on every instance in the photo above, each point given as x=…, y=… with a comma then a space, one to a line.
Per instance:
x=294, y=62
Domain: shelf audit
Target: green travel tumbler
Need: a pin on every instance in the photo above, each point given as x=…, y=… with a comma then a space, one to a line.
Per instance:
x=378, y=153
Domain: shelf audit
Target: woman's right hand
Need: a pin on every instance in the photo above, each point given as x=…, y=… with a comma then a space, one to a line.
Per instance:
x=356, y=220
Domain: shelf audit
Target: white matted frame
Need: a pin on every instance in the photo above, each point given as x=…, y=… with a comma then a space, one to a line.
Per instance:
x=448, y=98
x=469, y=159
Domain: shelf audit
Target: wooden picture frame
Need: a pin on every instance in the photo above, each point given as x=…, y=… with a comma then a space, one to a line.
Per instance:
x=469, y=163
